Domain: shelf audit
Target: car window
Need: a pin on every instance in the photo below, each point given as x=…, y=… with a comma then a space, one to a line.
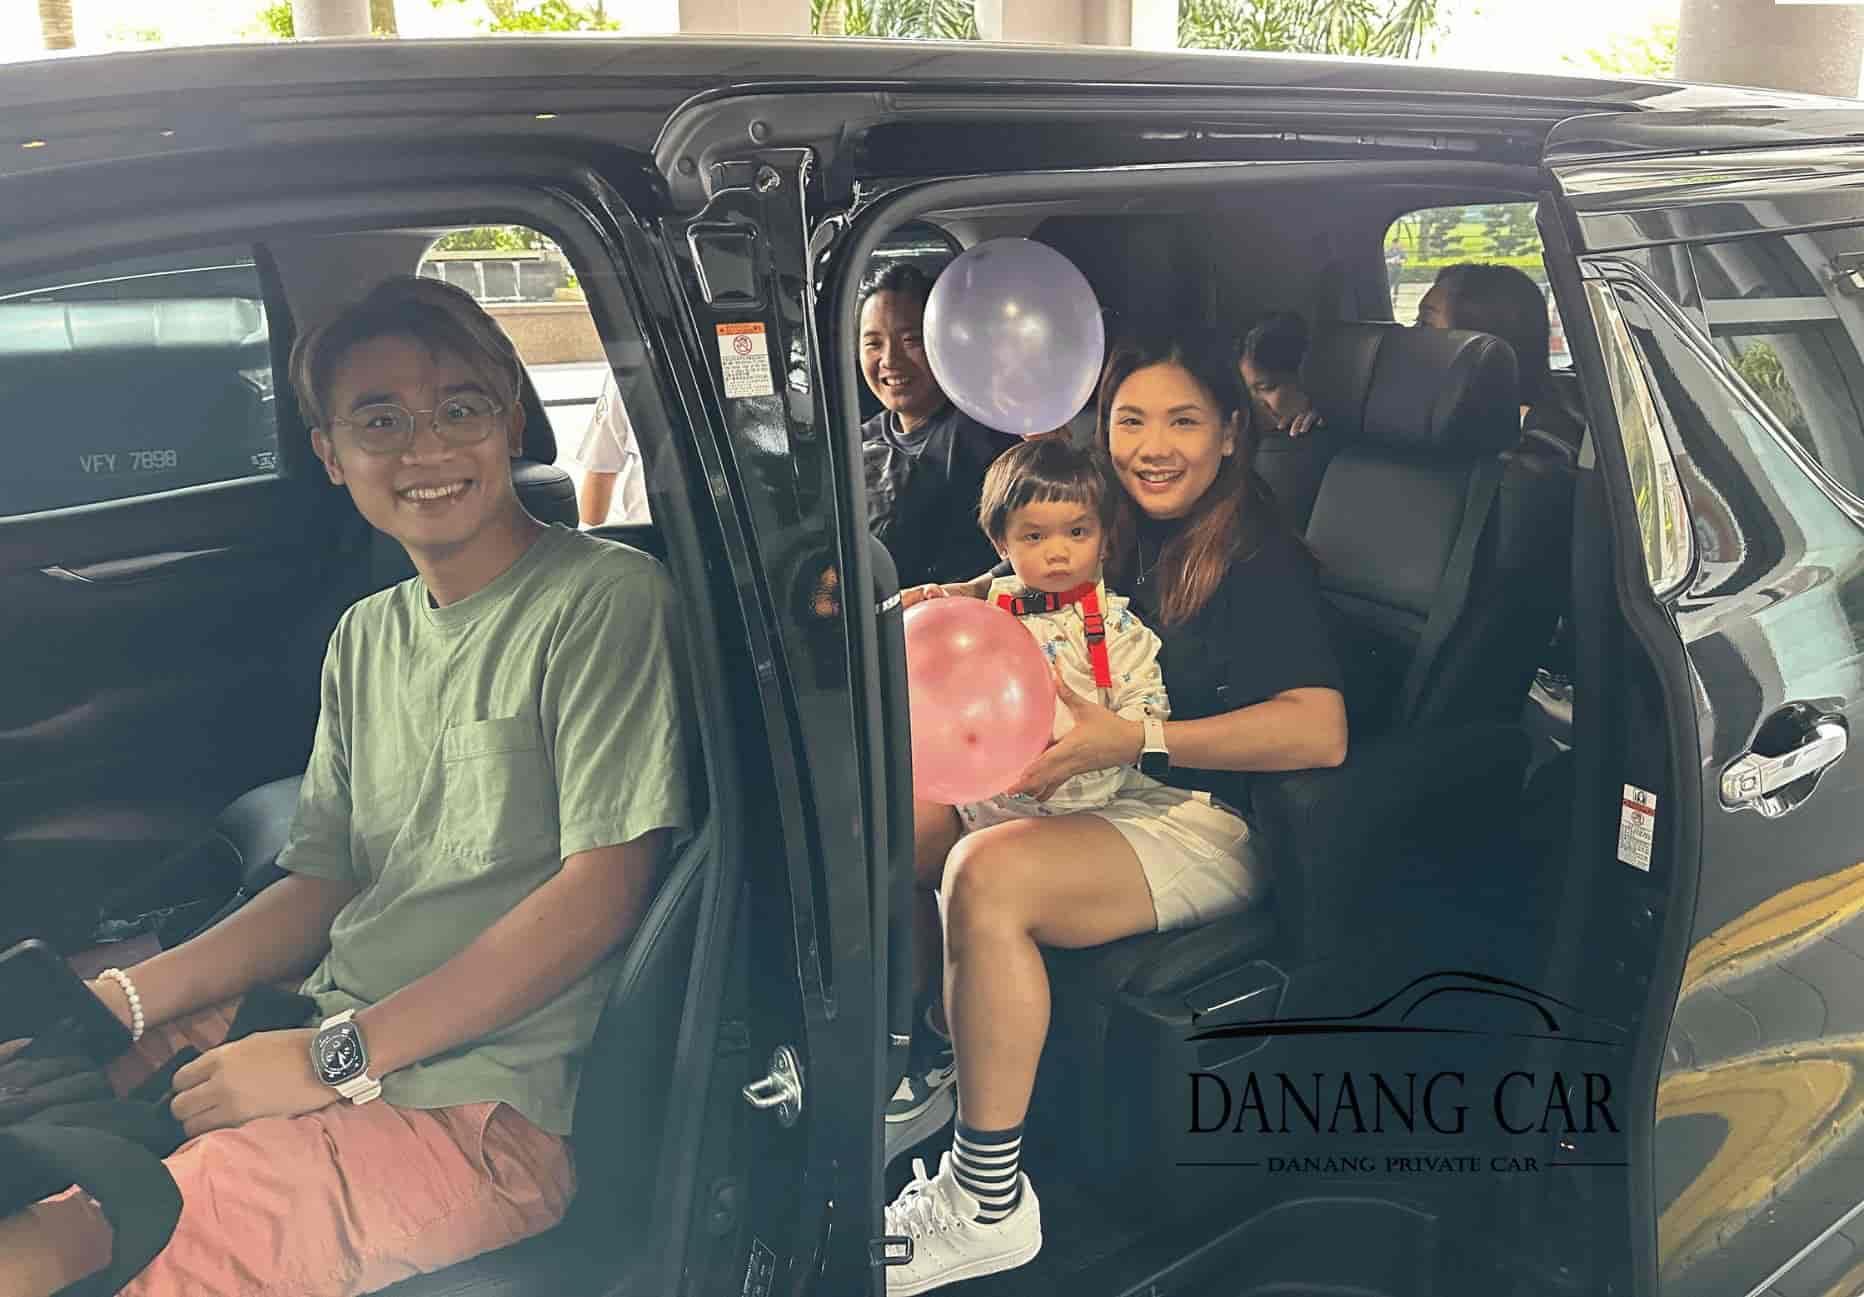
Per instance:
x=1419, y=244
x=135, y=377
x=1787, y=313
x=916, y=243
x=526, y=283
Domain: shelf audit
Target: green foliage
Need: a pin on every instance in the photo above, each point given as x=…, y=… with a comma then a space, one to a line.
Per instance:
x=1652, y=54
x=491, y=238
x=1375, y=28
x=1424, y=242
x=1759, y=366
x=277, y=20
x=947, y=20
x=1513, y=232
x=545, y=16
x=130, y=33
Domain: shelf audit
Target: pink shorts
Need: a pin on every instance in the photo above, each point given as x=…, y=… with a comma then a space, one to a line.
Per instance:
x=347, y=1199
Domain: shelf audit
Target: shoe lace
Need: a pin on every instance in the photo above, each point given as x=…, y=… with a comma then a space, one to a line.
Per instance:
x=919, y=1211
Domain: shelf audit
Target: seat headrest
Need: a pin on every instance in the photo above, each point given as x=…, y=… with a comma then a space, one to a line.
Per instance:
x=548, y=492
x=1428, y=391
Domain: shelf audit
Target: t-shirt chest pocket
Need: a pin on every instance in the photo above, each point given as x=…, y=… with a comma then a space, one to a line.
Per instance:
x=497, y=797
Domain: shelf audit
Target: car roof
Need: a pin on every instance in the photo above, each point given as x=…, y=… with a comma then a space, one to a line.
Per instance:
x=83, y=108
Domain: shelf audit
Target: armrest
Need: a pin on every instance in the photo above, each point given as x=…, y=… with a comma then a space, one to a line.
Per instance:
x=1406, y=809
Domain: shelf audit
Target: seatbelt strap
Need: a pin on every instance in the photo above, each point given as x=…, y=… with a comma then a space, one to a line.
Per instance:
x=1453, y=593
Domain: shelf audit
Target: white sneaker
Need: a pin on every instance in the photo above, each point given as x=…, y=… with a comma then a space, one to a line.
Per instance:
x=924, y=1103
x=948, y=1244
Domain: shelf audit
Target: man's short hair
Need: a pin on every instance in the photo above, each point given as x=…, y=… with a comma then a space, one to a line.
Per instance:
x=1041, y=470
x=433, y=313
x=901, y=277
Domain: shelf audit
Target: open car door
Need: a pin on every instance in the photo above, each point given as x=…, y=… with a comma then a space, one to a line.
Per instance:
x=1720, y=546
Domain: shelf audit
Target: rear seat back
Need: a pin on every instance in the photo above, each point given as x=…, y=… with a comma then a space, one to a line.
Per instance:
x=1412, y=414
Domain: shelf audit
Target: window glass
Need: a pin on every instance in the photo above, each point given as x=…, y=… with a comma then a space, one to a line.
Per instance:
x=1420, y=244
x=917, y=243
x=135, y=377
x=526, y=283
x=1787, y=313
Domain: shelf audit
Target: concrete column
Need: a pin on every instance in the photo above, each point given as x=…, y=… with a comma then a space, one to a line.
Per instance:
x=1146, y=24
x=330, y=17
x=1811, y=48
x=56, y=28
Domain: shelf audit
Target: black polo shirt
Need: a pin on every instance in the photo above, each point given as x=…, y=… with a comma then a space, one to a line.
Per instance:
x=922, y=493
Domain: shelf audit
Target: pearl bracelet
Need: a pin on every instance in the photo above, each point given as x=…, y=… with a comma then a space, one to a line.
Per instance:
x=136, y=1021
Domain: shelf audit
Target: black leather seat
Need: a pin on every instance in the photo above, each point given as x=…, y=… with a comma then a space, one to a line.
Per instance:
x=1418, y=416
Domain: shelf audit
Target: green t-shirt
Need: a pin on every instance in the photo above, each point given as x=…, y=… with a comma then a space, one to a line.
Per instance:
x=462, y=754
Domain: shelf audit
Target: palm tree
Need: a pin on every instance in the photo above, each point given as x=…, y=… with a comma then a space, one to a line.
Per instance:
x=55, y=25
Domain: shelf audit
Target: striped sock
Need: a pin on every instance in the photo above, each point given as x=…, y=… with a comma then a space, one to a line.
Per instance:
x=987, y=1164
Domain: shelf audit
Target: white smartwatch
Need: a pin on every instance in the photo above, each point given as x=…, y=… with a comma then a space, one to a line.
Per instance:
x=1154, y=756
x=341, y=1059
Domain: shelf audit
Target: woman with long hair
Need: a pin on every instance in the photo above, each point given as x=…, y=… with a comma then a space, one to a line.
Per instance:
x=1196, y=544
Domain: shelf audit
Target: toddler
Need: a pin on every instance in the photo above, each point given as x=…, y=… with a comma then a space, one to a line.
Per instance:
x=1044, y=508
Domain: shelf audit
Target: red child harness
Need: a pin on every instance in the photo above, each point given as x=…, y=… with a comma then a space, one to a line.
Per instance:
x=1035, y=601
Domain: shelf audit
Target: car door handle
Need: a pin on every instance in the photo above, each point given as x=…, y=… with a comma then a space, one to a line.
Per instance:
x=1755, y=781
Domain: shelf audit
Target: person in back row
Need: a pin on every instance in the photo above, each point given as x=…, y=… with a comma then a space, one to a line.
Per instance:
x=1270, y=364
x=489, y=800
x=1504, y=302
x=925, y=458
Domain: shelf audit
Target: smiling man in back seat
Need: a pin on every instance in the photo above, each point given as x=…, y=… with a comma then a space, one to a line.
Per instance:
x=497, y=776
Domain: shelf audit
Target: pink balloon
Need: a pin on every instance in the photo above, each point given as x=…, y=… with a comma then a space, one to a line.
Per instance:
x=982, y=699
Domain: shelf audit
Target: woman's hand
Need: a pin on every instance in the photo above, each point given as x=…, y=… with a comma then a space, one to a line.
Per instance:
x=1100, y=739
x=264, y=1075
x=976, y=589
x=1304, y=422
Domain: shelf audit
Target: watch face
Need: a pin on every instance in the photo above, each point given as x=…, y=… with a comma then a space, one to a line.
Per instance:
x=338, y=1055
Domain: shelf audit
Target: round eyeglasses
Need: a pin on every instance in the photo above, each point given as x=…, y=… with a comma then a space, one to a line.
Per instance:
x=463, y=420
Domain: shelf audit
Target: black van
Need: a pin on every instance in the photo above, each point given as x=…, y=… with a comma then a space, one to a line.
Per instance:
x=1561, y=985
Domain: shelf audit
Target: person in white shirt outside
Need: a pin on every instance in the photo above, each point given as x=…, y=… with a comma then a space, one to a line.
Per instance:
x=614, y=485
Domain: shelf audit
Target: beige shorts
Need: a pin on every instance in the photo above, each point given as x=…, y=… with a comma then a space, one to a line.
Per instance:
x=1198, y=855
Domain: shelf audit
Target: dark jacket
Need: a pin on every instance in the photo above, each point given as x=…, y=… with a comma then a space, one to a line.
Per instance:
x=922, y=495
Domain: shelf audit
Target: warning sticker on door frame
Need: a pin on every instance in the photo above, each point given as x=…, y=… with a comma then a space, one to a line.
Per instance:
x=1637, y=827
x=744, y=360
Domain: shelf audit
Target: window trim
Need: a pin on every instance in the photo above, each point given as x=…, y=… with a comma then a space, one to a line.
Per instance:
x=1665, y=527
x=1697, y=340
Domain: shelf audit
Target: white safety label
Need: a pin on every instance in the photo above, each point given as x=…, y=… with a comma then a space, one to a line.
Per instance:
x=744, y=357
x=1637, y=827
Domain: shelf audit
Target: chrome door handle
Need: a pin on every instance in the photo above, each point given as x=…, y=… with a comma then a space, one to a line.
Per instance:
x=781, y=1088
x=1754, y=781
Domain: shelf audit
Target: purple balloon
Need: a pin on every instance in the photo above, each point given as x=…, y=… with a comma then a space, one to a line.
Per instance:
x=1014, y=336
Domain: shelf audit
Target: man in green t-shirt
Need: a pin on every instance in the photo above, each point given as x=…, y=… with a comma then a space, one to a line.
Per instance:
x=497, y=778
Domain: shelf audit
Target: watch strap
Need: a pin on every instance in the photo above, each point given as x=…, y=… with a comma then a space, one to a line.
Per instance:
x=360, y=1089
x=1154, y=756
